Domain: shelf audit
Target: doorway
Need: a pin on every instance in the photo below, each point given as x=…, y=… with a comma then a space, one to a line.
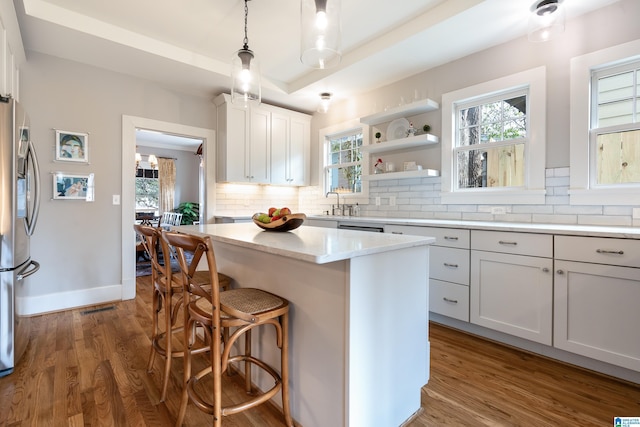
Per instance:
x=183, y=187
x=130, y=124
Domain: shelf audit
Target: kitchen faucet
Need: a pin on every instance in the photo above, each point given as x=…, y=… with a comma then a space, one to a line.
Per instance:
x=337, y=196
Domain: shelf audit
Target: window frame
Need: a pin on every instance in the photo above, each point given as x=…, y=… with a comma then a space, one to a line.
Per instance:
x=583, y=190
x=341, y=129
x=533, y=191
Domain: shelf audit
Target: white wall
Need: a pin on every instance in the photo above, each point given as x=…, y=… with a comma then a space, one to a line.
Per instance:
x=77, y=243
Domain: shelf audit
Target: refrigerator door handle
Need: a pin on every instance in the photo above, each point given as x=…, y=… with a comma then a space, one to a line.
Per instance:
x=32, y=219
x=26, y=272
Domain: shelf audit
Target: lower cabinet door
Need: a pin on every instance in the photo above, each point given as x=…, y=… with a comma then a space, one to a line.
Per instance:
x=512, y=294
x=449, y=299
x=597, y=312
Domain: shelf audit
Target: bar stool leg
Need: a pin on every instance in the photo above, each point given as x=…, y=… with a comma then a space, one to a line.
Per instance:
x=247, y=363
x=284, y=368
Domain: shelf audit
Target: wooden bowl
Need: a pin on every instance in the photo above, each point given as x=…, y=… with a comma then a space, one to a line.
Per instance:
x=286, y=223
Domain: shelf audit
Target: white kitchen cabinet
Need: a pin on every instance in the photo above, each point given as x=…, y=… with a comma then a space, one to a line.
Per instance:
x=596, y=303
x=448, y=268
x=290, y=142
x=512, y=293
x=261, y=144
x=243, y=144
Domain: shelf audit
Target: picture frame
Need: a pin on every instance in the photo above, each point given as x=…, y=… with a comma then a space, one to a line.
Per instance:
x=72, y=146
x=72, y=187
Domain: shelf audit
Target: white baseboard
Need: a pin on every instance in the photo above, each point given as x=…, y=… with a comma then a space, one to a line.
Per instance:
x=30, y=306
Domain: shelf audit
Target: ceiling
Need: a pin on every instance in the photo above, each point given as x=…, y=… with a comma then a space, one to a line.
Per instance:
x=187, y=45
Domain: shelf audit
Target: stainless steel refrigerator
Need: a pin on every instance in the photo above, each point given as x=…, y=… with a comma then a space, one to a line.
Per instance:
x=19, y=206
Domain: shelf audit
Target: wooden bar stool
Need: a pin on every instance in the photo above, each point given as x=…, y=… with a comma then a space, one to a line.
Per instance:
x=242, y=309
x=167, y=294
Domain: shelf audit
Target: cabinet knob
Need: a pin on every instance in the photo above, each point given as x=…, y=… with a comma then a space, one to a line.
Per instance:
x=545, y=270
x=560, y=271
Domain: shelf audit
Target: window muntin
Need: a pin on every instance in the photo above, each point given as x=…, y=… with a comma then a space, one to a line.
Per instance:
x=615, y=125
x=344, y=162
x=491, y=134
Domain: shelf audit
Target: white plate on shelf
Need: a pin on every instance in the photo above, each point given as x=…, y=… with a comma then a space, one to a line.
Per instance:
x=397, y=129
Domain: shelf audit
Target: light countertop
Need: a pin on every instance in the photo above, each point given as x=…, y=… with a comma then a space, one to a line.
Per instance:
x=567, y=229
x=311, y=244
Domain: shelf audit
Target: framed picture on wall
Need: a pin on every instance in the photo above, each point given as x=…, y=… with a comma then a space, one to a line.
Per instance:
x=72, y=187
x=72, y=146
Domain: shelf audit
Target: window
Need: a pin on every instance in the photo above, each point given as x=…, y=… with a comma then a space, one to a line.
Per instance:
x=147, y=190
x=490, y=138
x=494, y=141
x=605, y=127
x=343, y=159
x=615, y=124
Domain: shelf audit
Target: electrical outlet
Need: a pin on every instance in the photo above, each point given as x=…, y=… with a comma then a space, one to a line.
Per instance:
x=392, y=200
x=378, y=201
x=116, y=199
x=498, y=210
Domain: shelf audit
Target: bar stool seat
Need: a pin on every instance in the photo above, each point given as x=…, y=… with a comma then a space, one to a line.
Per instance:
x=167, y=297
x=238, y=311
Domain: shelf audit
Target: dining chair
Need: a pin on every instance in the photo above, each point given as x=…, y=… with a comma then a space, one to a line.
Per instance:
x=239, y=310
x=167, y=297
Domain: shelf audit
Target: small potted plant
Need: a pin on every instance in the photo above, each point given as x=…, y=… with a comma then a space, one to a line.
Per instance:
x=378, y=135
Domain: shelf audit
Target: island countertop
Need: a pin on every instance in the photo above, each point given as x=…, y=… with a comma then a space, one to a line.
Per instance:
x=311, y=244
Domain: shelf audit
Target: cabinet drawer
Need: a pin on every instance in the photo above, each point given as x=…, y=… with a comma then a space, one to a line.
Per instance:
x=449, y=237
x=449, y=264
x=449, y=299
x=598, y=250
x=540, y=245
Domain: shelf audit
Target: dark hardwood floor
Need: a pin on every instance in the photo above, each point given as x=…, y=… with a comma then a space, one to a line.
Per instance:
x=88, y=367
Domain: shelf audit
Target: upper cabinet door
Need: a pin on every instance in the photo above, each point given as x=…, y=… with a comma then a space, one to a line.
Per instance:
x=298, y=156
x=280, y=147
x=260, y=146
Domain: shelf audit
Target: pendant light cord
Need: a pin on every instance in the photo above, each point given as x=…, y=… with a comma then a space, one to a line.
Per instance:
x=246, y=15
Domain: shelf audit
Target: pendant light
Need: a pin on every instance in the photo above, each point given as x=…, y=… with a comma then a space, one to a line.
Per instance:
x=325, y=101
x=546, y=20
x=320, y=33
x=245, y=72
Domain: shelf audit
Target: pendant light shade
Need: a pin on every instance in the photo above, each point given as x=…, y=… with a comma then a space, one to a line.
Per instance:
x=320, y=33
x=546, y=20
x=245, y=72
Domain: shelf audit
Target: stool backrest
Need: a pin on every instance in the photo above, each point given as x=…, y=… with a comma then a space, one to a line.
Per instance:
x=198, y=247
x=152, y=241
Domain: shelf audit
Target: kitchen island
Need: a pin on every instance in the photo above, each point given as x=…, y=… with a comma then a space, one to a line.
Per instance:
x=359, y=348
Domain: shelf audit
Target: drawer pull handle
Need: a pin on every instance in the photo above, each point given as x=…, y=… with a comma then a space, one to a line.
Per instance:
x=397, y=232
x=504, y=242
x=454, y=301
x=605, y=251
x=446, y=264
x=450, y=238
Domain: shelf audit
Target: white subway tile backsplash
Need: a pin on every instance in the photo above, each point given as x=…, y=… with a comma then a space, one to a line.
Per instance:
x=420, y=198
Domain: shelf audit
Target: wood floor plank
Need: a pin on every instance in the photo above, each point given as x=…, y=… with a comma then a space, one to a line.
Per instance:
x=88, y=368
